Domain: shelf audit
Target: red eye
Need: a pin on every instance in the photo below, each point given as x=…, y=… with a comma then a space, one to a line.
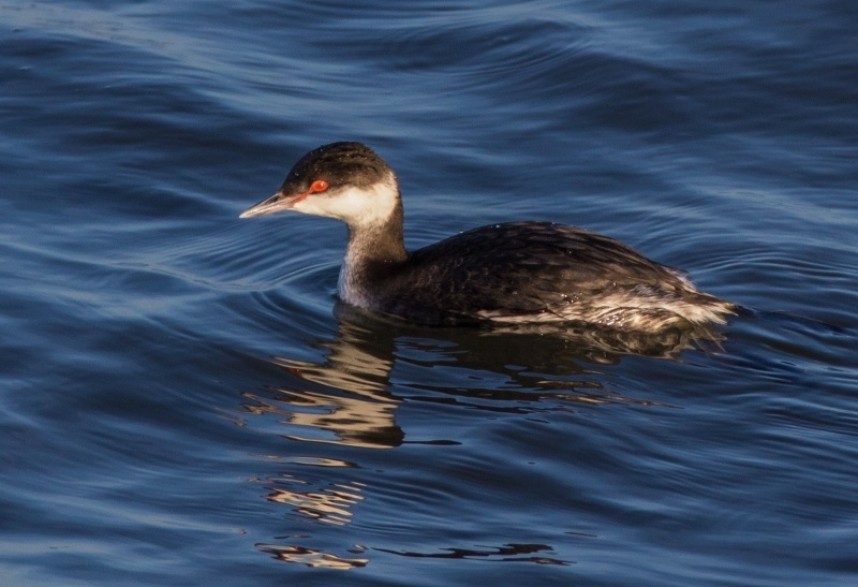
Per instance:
x=317, y=186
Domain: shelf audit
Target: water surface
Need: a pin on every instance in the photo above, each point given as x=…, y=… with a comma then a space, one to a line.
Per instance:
x=183, y=401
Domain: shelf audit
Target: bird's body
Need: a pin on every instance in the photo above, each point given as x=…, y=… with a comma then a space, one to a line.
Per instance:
x=511, y=273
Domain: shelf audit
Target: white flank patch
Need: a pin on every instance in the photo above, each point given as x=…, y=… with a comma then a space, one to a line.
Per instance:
x=622, y=310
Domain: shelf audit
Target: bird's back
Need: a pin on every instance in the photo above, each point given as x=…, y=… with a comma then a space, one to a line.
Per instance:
x=540, y=272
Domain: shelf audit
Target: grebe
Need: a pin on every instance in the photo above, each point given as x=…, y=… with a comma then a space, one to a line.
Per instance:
x=515, y=272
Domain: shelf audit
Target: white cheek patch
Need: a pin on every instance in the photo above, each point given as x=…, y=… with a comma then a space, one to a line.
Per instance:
x=355, y=206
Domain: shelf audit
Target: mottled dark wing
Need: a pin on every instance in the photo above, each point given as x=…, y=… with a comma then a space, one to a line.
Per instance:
x=521, y=267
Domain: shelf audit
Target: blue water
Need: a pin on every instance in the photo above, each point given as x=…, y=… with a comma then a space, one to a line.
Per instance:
x=183, y=401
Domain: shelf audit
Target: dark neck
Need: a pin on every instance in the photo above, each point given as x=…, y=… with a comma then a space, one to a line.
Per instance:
x=379, y=243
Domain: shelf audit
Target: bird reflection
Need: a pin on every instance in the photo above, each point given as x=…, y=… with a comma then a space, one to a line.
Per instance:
x=311, y=557
x=507, y=552
x=345, y=399
x=350, y=398
x=331, y=505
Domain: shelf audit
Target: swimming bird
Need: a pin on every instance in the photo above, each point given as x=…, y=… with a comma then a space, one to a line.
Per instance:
x=524, y=272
